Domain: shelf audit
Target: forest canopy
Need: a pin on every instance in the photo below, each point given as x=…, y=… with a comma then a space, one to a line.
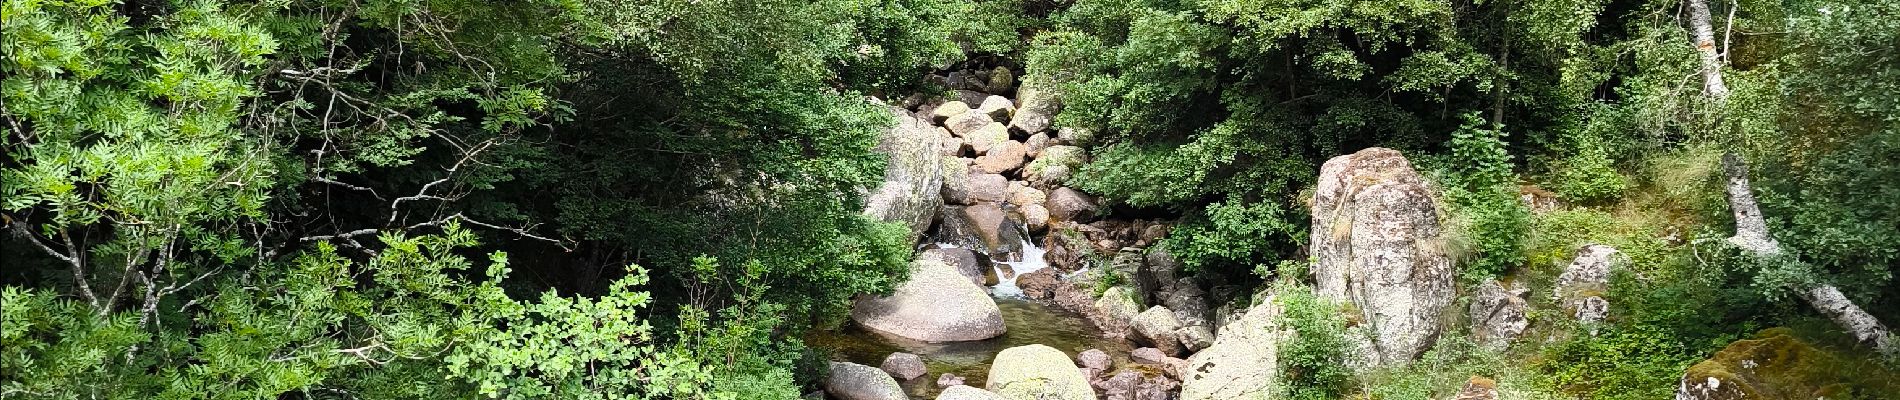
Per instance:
x=659, y=199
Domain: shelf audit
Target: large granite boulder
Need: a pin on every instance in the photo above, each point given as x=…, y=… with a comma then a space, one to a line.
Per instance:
x=1379, y=246
x=1243, y=363
x=1777, y=365
x=1498, y=315
x=848, y=381
x=1581, y=287
x=937, y=304
x=965, y=392
x=913, y=176
x=967, y=263
x=1037, y=372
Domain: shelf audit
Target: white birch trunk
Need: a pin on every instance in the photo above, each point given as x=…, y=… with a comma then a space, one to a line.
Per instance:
x=1703, y=32
x=1751, y=235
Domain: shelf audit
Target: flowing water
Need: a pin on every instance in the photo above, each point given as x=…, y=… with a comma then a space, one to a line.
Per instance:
x=1027, y=322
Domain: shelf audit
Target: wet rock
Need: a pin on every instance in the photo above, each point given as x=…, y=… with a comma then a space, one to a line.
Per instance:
x=963, y=124
x=849, y=381
x=1057, y=247
x=936, y=304
x=1001, y=157
x=1497, y=315
x=1035, y=217
x=948, y=380
x=1037, y=372
x=912, y=183
x=1094, y=360
x=1379, y=246
x=1478, y=388
x=948, y=110
x=903, y=366
x=966, y=262
x=1038, y=284
x=1158, y=327
x=1581, y=287
x=1067, y=204
x=1149, y=355
x=998, y=107
x=991, y=226
x=1243, y=363
x=962, y=392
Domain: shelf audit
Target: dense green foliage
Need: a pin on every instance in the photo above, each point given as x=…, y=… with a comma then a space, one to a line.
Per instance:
x=1314, y=360
x=247, y=199
x=597, y=199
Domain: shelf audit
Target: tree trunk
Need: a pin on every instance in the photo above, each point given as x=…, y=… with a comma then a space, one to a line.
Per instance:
x=1751, y=235
x=1704, y=34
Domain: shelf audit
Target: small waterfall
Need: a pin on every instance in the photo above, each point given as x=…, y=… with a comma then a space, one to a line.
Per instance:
x=1031, y=262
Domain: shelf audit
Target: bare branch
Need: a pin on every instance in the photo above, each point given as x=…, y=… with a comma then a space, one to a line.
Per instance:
x=523, y=232
x=372, y=192
x=78, y=265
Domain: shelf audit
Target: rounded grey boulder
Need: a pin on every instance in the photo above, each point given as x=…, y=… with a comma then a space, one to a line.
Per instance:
x=1037, y=372
x=850, y=381
x=937, y=304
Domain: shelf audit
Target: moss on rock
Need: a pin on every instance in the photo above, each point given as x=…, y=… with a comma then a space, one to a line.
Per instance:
x=1778, y=365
